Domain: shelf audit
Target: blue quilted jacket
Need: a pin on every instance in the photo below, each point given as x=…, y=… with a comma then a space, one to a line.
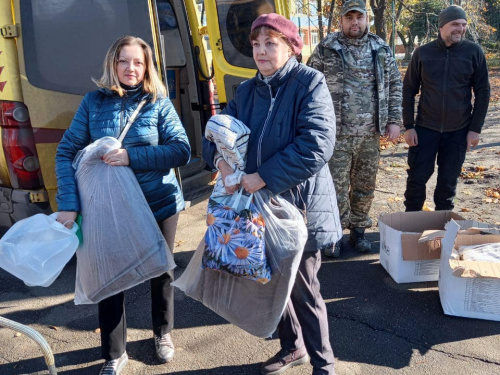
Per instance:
x=155, y=143
x=292, y=123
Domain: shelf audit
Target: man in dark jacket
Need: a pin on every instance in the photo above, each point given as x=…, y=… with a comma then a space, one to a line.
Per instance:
x=447, y=124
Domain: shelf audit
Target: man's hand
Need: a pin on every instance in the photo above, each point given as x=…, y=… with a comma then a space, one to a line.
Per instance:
x=472, y=139
x=411, y=137
x=226, y=170
x=392, y=132
x=252, y=182
x=116, y=157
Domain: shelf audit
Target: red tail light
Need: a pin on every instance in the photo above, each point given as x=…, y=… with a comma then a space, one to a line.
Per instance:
x=19, y=146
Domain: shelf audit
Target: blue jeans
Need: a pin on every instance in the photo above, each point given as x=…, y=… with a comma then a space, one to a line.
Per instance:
x=450, y=149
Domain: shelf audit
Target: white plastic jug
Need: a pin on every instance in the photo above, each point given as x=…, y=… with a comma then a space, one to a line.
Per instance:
x=37, y=248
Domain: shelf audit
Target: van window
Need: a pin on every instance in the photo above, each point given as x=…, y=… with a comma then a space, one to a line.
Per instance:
x=65, y=41
x=236, y=19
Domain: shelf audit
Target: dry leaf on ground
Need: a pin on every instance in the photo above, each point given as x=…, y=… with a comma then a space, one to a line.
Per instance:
x=493, y=192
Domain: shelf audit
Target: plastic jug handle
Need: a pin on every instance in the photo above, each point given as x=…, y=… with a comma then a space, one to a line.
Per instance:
x=73, y=229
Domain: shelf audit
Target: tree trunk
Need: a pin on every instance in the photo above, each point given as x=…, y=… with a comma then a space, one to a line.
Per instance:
x=330, y=16
x=408, y=44
x=378, y=8
x=320, y=19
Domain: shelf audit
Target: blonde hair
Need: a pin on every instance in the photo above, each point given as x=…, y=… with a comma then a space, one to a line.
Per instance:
x=109, y=79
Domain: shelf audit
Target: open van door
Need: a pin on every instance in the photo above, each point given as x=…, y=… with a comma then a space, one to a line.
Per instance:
x=49, y=52
x=229, y=24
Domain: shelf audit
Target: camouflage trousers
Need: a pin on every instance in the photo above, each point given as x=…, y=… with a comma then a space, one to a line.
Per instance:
x=354, y=166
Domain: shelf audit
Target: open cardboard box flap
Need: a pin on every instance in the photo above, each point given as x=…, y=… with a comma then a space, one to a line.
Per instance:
x=477, y=227
x=428, y=244
x=463, y=268
x=412, y=224
x=415, y=249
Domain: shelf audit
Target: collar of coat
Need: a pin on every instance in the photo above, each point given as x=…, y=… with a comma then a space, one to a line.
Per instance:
x=440, y=42
x=332, y=41
x=136, y=95
x=280, y=76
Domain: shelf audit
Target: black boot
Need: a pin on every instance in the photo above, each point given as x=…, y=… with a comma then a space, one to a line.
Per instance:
x=358, y=241
x=333, y=251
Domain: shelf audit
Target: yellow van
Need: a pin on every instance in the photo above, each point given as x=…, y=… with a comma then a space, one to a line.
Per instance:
x=50, y=50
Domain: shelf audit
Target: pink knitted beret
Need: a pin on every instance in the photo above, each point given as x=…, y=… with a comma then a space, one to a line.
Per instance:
x=282, y=25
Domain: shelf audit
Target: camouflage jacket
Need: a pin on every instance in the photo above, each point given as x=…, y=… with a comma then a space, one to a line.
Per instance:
x=328, y=58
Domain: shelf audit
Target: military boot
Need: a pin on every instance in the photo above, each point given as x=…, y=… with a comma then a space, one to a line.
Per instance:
x=358, y=241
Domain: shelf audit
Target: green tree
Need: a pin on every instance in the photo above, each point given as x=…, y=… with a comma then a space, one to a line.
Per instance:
x=417, y=22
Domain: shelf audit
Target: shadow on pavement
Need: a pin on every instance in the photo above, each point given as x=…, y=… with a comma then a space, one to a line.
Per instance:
x=374, y=320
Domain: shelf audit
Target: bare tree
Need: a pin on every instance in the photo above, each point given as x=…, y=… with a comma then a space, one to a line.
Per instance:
x=378, y=9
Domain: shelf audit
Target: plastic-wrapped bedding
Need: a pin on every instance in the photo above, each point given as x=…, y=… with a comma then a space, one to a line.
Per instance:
x=489, y=252
x=254, y=307
x=123, y=245
x=230, y=137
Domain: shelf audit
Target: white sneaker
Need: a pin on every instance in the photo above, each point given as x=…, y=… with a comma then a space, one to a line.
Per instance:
x=164, y=348
x=115, y=366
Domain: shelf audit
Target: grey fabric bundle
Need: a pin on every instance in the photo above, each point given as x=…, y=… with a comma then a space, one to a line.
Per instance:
x=123, y=245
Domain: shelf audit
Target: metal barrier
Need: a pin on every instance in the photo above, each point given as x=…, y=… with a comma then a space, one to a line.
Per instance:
x=34, y=335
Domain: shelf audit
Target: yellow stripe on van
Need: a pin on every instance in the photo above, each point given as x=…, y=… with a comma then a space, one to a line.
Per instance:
x=10, y=85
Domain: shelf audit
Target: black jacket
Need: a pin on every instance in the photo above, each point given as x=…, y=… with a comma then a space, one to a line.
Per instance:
x=445, y=77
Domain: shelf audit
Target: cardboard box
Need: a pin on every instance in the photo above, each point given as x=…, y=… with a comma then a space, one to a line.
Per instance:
x=468, y=288
x=402, y=255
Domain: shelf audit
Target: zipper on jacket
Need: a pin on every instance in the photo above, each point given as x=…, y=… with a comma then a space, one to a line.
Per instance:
x=259, y=145
x=378, y=126
x=121, y=116
x=445, y=84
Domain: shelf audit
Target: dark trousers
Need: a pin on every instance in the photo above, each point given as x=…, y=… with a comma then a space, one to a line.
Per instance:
x=305, y=320
x=112, y=319
x=450, y=149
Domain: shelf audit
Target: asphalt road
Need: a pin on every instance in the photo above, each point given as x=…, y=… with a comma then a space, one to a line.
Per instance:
x=377, y=327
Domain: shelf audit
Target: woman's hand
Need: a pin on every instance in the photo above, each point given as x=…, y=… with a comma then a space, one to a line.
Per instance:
x=252, y=182
x=116, y=157
x=226, y=170
x=67, y=218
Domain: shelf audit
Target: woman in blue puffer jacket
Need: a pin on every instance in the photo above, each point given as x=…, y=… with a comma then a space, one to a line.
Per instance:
x=154, y=145
x=289, y=111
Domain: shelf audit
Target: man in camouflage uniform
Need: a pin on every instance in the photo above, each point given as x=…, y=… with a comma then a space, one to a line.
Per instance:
x=365, y=85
